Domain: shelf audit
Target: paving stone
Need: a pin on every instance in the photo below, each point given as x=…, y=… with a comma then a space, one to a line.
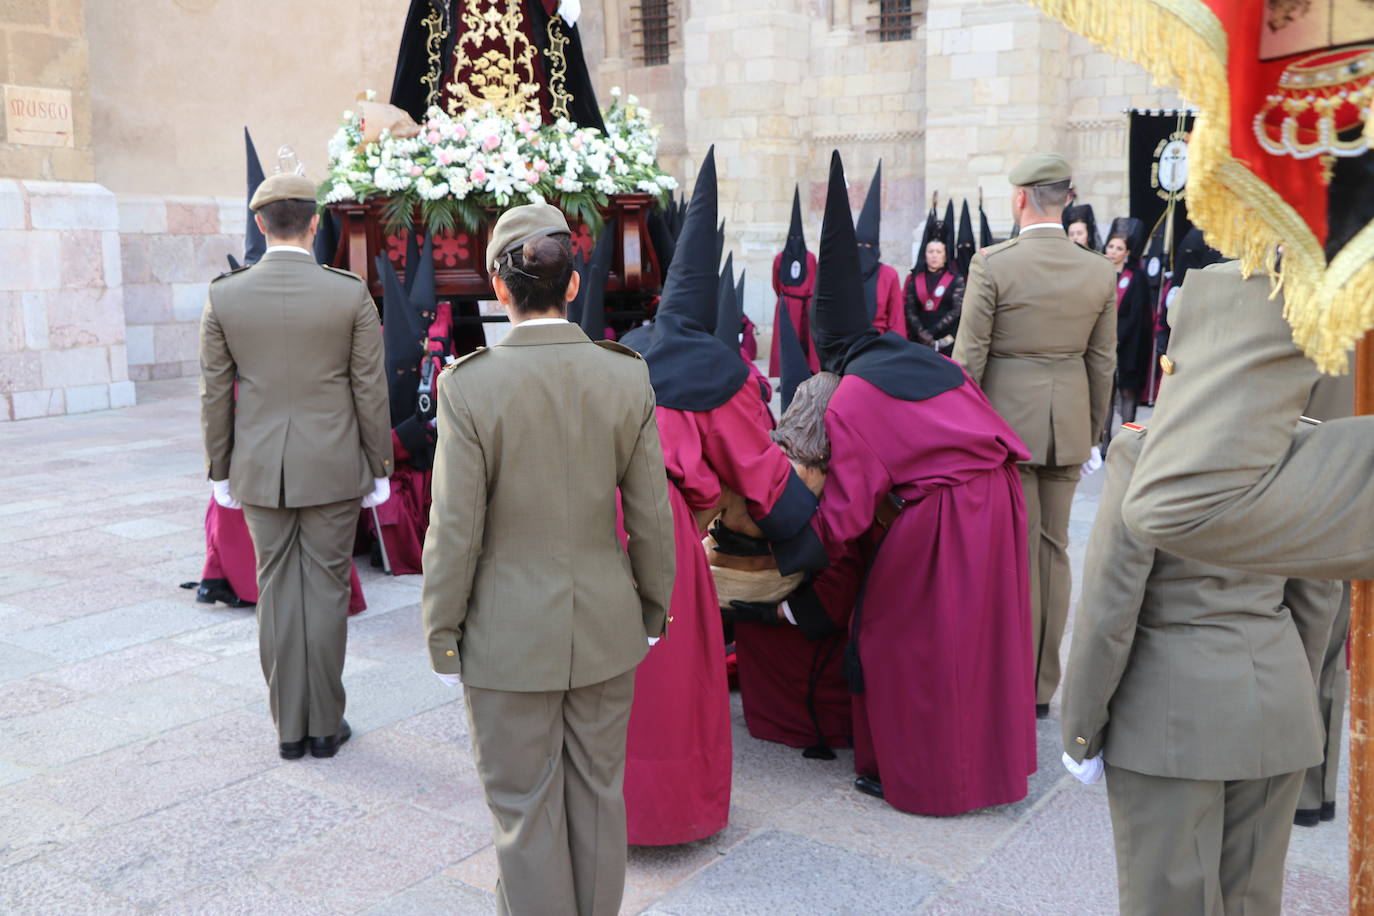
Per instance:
x=11, y=773
x=19, y=580
x=478, y=870
x=18, y=619
x=163, y=771
x=395, y=636
x=34, y=889
x=439, y=896
x=414, y=834
x=16, y=662
x=776, y=872
x=1307, y=893
x=169, y=702
x=143, y=528
x=232, y=636
x=33, y=828
x=343, y=874
x=134, y=665
x=241, y=895
x=446, y=724
x=31, y=696
x=379, y=696
x=165, y=855
x=59, y=736
x=96, y=634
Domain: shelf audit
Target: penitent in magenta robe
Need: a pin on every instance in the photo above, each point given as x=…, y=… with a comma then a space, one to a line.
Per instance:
x=798, y=301
x=946, y=719
x=891, y=311
x=229, y=554
x=792, y=683
x=678, y=752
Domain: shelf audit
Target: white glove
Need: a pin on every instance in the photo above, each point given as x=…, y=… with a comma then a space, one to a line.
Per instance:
x=1092, y=464
x=653, y=640
x=450, y=680
x=220, y=488
x=570, y=10
x=1087, y=772
x=381, y=492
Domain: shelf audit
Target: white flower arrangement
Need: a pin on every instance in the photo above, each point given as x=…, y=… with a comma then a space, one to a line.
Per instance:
x=457, y=169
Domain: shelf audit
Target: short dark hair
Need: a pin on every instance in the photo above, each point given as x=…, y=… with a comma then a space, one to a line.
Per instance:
x=287, y=219
x=538, y=273
x=1047, y=197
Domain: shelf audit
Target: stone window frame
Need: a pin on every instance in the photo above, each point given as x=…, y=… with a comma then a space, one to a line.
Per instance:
x=654, y=31
x=894, y=20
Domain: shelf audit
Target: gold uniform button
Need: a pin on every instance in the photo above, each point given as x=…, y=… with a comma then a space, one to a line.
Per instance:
x=1081, y=740
x=1166, y=364
x=450, y=653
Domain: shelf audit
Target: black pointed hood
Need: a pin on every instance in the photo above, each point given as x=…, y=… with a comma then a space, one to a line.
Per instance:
x=594, y=277
x=254, y=242
x=420, y=289
x=739, y=296
x=233, y=262
x=327, y=238
x=846, y=341
x=720, y=242
x=792, y=267
x=689, y=368
x=866, y=234
x=930, y=230
x=985, y=237
x=948, y=228
x=964, y=245
x=403, y=341
x=728, y=325
x=662, y=235
x=795, y=369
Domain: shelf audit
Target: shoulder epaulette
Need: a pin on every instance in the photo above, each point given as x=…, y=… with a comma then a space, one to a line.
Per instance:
x=466, y=357
x=1000, y=246
x=617, y=347
x=346, y=273
x=1133, y=427
x=229, y=273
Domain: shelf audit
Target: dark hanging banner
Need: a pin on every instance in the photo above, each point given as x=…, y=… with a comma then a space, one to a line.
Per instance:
x=1159, y=173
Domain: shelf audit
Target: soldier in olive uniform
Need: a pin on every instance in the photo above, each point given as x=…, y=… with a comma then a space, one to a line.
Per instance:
x=1038, y=333
x=306, y=438
x=1194, y=683
x=528, y=595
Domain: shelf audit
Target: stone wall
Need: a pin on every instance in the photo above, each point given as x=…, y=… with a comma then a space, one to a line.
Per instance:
x=43, y=44
x=170, y=249
x=62, y=338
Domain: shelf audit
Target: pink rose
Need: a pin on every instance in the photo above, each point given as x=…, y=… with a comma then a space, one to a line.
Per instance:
x=445, y=156
x=532, y=176
x=416, y=171
x=541, y=166
x=491, y=143
x=433, y=136
x=479, y=175
x=576, y=143
x=460, y=131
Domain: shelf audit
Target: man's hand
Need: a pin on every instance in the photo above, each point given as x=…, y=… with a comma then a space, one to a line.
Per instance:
x=220, y=488
x=754, y=612
x=1087, y=772
x=1092, y=464
x=450, y=680
x=381, y=492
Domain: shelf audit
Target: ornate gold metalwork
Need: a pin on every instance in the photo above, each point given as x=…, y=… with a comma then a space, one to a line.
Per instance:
x=436, y=27
x=502, y=76
x=559, y=97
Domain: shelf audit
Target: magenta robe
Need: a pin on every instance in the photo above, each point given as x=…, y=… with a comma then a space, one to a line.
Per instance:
x=947, y=719
x=778, y=665
x=798, y=301
x=677, y=768
x=891, y=312
x=749, y=346
x=229, y=554
x=405, y=516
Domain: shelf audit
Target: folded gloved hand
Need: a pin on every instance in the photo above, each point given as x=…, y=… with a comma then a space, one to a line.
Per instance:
x=381, y=492
x=220, y=488
x=1092, y=464
x=1087, y=772
x=752, y=612
x=451, y=680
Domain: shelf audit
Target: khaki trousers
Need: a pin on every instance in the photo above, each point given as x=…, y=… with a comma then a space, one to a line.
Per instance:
x=553, y=767
x=1048, y=491
x=1319, y=785
x=1202, y=847
x=303, y=562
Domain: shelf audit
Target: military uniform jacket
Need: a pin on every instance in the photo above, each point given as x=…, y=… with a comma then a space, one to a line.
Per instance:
x=1183, y=669
x=311, y=422
x=1038, y=333
x=1229, y=475
x=527, y=587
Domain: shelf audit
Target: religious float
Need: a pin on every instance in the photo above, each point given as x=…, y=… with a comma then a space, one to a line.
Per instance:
x=492, y=107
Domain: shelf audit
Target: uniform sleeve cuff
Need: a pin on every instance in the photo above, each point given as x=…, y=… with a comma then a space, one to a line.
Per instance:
x=802, y=552
x=810, y=614
x=791, y=512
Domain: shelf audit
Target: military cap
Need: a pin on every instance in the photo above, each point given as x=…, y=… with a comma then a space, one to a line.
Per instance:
x=282, y=186
x=1040, y=168
x=520, y=224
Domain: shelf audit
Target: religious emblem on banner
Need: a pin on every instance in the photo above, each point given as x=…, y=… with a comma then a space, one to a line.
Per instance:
x=1281, y=150
x=1169, y=173
x=493, y=59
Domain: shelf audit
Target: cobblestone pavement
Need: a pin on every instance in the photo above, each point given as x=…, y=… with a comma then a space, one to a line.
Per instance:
x=139, y=772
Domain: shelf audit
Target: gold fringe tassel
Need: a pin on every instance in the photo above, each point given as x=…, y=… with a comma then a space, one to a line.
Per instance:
x=1183, y=45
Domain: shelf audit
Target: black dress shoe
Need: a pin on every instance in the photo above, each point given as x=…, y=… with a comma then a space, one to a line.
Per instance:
x=328, y=747
x=1328, y=811
x=869, y=786
x=212, y=590
x=1042, y=710
x=292, y=750
x=1307, y=817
